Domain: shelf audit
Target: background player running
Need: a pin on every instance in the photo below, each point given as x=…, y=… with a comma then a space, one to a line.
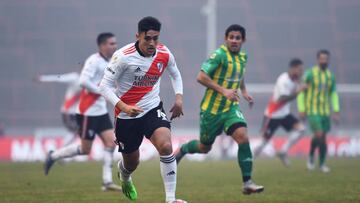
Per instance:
x=277, y=112
x=91, y=114
x=136, y=71
x=71, y=100
x=314, y=104
x=222, y=75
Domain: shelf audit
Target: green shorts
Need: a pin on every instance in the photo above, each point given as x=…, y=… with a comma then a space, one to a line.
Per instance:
x=212, y=125
x=319, y=123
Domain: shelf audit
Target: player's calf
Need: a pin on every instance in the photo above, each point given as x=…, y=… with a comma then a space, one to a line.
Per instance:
x=191, y=147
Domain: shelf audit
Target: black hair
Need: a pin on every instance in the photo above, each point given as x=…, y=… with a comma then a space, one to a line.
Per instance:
x=295, y=62
x=322, y=51
x=149, y=23
x=102, y=37
x=236, y=27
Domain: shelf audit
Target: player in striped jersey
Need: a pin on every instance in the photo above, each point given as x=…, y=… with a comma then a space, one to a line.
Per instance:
x=222, y=75
x=314, y=104
x=277, y=112
x=132, y=84
x=91, y=113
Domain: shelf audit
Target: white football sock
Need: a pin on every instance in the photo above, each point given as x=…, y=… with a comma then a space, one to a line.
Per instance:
x=293, y=138
x=67, y=151
x=125, y=174
x=260, y=148
x=107, y=165
x=168, y=170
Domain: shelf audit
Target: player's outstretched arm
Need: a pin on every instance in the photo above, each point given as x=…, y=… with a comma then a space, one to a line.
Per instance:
x=60, y=78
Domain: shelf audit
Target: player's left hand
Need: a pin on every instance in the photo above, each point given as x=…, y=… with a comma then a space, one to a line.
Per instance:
x=177, y=109
x=249, y=99
x=336, y=118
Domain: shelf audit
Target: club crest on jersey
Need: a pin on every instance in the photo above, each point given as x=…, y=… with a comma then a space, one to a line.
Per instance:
x=160, y=66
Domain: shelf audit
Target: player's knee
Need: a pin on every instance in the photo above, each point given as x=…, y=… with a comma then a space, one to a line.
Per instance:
x=240, y=135
x=204, y=148
x=165, y=148
x=243, y=138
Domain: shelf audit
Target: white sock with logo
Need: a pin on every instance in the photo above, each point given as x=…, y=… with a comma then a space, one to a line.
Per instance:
x=168, y=170
x=66, y=152
x=107, y=165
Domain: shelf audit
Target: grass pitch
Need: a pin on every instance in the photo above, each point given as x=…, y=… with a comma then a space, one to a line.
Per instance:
x=198, y=182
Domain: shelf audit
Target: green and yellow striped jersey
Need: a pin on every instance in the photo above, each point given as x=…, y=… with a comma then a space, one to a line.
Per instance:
x=321, y=90
x=227, y=70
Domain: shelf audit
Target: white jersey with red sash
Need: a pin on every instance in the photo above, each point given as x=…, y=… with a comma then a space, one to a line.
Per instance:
x=284, y=87
x=137, y=78
x=91, y=102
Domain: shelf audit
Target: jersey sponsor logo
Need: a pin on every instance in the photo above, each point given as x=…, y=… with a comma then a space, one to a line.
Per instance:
x=145, y=80
x=233, y=79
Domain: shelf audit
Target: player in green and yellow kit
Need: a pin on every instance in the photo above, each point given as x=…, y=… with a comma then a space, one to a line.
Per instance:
x=314, y=103
x=222, y=75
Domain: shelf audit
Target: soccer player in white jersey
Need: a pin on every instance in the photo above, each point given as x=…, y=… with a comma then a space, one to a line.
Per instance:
x=132, y=84
x=71, y=100
x=277, y=112
x=91, y=113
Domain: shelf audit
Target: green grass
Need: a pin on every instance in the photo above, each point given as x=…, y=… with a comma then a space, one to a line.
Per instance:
x=199, y=182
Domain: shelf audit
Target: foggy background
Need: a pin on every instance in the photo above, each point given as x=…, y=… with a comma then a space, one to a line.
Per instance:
x=46, y=37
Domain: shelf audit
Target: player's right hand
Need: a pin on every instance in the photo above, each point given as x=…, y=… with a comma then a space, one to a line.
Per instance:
x=231, y=94
x=132, y=111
